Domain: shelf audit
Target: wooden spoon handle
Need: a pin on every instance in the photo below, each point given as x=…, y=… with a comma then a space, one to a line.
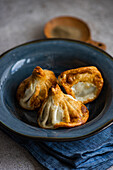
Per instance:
x=97, y=44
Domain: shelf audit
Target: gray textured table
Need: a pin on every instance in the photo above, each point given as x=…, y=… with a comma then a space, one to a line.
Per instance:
x=22, y=21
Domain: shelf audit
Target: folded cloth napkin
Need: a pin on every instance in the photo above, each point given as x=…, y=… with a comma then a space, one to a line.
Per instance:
x=95, y=152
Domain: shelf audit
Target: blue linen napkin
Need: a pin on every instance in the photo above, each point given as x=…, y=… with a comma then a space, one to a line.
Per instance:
x=95, y=152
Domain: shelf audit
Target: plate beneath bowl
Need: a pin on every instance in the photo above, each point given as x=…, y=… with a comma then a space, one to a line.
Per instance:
x=57, y=55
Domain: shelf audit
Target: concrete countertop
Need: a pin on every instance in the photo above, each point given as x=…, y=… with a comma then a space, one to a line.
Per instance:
x=24, y=20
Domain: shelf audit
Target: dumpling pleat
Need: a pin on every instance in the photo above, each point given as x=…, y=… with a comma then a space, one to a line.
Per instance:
x=45, y=113
x=60, y=114
x=47, y=83
x=54, y=110
x=64, y=107
x=72, y=110
x=28, y=93
x=34, y=99
x=43, y=91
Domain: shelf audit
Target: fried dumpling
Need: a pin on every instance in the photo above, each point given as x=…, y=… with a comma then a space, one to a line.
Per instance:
x=61, y=110
x=84, y=83
x=34, y=89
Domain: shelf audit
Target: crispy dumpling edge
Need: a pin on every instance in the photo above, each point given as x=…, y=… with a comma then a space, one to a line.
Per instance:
x=91, y=69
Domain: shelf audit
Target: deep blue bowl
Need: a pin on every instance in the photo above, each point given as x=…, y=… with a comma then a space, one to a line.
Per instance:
x=57, y=55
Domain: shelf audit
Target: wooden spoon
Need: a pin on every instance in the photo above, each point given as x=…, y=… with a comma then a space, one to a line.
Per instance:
x=71, y=28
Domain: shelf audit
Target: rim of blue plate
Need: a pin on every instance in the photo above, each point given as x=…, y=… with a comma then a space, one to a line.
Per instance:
x=104, y=126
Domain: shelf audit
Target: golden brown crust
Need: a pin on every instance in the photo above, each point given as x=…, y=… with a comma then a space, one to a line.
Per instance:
x=38, y=85
x=75, y=113
x=84, y=74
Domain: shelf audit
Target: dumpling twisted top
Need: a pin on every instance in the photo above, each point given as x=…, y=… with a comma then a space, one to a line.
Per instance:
x=83, y=83
x=61, y=110
x=34, y=89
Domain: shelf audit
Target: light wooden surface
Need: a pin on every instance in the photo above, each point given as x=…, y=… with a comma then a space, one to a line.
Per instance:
x=24, y=20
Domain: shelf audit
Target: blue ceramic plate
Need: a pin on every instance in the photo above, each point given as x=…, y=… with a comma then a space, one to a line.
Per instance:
x=57, y=55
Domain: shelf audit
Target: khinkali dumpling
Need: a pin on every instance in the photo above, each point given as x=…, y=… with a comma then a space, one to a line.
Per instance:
x=61, y=110
x=33, y=90
x=84, y=83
